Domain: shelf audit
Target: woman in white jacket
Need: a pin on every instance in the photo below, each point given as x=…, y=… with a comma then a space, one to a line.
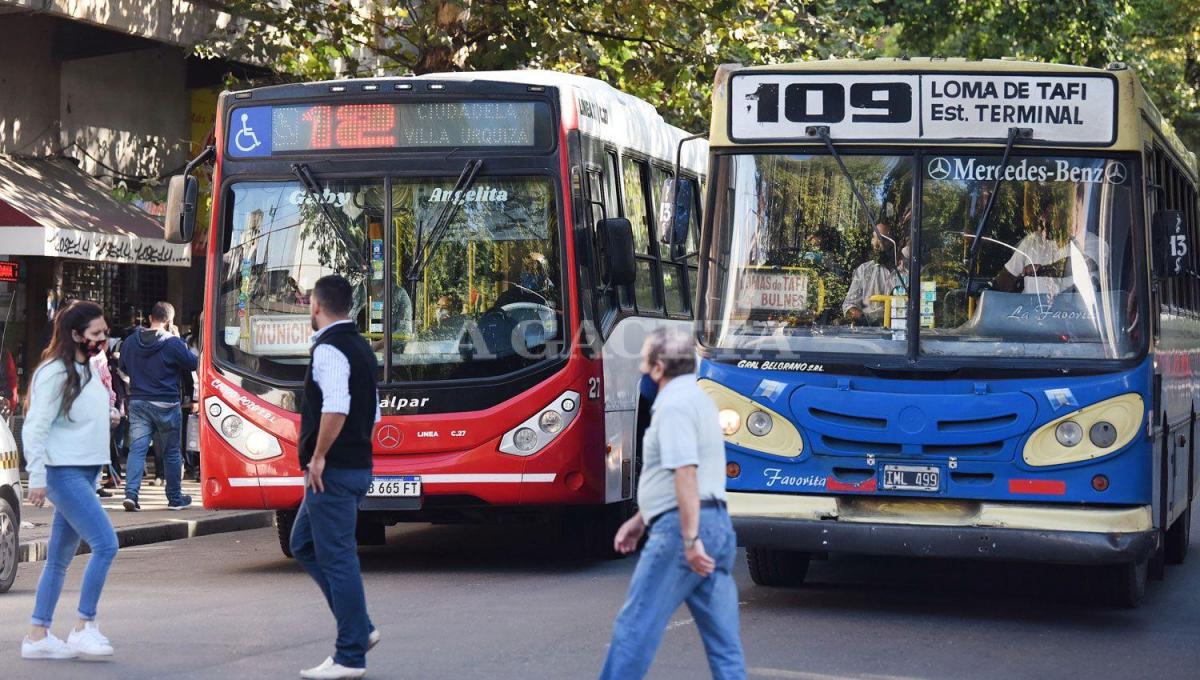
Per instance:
x=65, y=438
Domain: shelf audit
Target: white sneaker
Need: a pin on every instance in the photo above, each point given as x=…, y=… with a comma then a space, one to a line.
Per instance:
x=373, y=639
x=89, y=641
x=332, y=671
x=48, y=647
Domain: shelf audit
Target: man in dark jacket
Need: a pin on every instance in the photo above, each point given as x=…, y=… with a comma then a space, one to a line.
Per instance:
x=153, y=359
x=337, y=418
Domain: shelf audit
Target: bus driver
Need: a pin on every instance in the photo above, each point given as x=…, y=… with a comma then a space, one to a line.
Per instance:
x=877, y=276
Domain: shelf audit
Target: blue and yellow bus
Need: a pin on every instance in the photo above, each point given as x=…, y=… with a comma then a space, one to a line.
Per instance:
x=950, y=308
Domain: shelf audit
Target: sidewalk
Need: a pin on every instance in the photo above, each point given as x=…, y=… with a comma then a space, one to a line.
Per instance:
x=152, y=525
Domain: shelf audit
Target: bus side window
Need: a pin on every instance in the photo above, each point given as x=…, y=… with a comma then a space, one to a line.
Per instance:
x=673, y=271
x=693, y=246
x=636, y=211
x=599, y=209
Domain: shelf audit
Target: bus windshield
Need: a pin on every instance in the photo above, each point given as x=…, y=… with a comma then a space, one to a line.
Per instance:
x=487, y=302
x=796, y=269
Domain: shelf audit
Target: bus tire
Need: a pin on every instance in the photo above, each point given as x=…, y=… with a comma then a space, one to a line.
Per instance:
x=777, y=568
x=370, y=531
x=1128, y=583
x=589, y=532
x=284, y=519
x=1179, y=537
x=10, y=545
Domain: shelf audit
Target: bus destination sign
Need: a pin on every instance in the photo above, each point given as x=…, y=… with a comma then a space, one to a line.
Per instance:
x=939, y=107
x=266, y=130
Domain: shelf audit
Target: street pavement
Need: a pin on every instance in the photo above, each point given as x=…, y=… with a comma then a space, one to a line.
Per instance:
x=499, y=602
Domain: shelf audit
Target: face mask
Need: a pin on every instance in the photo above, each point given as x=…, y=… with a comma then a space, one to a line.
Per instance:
x=443, y=314
x=92, y=347
x=530, y=281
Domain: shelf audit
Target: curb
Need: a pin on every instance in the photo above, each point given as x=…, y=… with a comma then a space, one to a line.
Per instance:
x=167, y=530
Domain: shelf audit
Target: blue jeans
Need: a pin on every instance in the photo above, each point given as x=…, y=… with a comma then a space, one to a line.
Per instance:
x=661, y=582
x=147, y=420
x=77, y=513
x=323, y=541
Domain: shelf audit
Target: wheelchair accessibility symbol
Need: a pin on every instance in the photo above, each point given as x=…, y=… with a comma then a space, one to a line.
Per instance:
x=250, y=131
x=246, y=141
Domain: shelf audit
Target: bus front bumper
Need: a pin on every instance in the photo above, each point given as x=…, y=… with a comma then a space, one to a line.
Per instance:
x=944, y=528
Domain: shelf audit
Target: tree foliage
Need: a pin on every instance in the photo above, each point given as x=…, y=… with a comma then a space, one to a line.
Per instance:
x=663, y=51
x=1160, y=38
x=667, y=51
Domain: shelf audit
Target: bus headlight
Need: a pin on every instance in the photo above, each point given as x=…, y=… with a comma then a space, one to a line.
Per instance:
x=1110, y=425
x=731, y=421
x=244, y=436
x=766, y=431
x=1103, y=434
x=1068, y=433
x=525, y=439
x=539, y=430
x=759, y=424
x=231, y=426
x=550, y=422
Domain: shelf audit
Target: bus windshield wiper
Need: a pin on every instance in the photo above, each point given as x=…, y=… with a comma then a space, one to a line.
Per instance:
x=313, y=191
x=976, y=241
x=429, y=238
x=822, y=131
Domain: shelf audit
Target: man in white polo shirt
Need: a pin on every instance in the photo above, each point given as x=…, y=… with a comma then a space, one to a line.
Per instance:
x=681, y=498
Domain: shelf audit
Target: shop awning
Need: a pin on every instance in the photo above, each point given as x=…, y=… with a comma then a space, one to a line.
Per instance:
x=51, y=208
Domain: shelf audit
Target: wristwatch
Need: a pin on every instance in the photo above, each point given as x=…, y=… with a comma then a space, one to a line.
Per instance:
x=689, y=543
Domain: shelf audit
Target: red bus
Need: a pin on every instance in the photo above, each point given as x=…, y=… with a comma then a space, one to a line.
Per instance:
x=500, y=229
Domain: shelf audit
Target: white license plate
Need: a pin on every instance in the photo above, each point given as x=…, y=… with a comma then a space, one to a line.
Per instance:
x=408, y=486
x=912, y=478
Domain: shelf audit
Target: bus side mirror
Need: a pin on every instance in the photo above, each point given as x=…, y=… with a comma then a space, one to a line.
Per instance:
x=675, y=213
x=616, y=243
x=182, y=193
x=1171, y=244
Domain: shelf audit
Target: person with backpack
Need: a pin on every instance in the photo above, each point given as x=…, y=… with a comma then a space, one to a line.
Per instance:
x=65, y=439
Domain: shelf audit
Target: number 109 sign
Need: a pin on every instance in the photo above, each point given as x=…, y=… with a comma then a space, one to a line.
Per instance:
x=927, y=106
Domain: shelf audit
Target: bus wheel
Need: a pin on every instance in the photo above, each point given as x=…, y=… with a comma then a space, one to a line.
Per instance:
x=284, y=519
x=9, y=545
x=780, y=568
x=370, y=532
x=1179, y=537
x=589, y=532
x=1128, y=583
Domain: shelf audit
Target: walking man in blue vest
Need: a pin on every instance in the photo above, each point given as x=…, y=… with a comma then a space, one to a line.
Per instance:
x=340, y=409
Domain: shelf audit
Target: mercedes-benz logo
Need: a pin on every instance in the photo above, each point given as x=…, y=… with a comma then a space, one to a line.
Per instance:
x=1115, y=172
x=388, y=436
x=939, y=168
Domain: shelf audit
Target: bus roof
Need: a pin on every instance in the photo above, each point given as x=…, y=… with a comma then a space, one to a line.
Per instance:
x=1137, y=118
x=601, y=110
x=592, y=106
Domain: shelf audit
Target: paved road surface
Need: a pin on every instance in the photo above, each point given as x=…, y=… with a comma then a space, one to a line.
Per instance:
x=487, y=602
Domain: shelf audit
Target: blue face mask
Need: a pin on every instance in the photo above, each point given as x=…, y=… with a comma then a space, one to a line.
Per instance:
x=531, y=281
x=648, y=388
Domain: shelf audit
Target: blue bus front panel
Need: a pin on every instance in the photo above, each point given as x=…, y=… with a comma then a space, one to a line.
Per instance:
x=953, y=439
